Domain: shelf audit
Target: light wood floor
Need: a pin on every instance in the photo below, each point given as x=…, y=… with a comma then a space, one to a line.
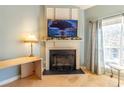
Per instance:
x=83, y=80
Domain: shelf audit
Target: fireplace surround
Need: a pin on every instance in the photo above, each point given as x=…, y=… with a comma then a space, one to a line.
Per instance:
x=60, y=45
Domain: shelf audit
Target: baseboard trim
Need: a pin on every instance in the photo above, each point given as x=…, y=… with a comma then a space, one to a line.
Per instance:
x=9, y=80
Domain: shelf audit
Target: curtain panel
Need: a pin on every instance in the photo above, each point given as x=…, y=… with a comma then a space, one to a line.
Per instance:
x=95, y=49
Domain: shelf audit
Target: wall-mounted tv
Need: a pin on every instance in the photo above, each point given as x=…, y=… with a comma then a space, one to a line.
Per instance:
x=62, y=28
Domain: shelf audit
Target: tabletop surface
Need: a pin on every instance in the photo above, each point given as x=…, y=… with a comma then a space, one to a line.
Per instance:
x=116, y=66
x=18, y=61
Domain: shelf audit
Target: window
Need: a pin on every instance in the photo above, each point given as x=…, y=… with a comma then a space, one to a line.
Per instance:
x=113, y=39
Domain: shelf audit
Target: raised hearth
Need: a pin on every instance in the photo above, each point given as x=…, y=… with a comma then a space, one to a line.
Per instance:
x=49, y=72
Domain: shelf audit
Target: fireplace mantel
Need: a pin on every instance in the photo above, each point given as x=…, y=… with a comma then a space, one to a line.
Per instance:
x=61, y=40
x=62, y=45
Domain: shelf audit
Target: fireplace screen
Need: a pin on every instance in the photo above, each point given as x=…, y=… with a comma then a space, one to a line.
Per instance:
x=62, y=60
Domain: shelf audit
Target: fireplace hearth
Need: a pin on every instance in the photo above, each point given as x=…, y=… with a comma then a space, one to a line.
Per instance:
x=62, y=60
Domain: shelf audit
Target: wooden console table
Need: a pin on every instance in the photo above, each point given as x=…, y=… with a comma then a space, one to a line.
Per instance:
x=29, y=65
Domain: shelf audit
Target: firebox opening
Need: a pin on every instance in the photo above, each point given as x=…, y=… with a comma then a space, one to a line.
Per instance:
x=62, y=60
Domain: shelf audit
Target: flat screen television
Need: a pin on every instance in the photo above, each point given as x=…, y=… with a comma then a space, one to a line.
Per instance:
x=62, y=28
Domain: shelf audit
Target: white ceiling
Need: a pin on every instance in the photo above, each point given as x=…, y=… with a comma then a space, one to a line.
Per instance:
x=85, y=6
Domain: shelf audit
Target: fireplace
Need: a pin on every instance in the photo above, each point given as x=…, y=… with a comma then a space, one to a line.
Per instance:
x=62, y=60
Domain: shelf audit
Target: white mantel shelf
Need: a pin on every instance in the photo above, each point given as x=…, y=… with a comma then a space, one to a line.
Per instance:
x=61, y=40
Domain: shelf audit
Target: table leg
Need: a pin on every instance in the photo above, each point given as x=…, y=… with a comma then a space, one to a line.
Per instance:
x=27, y=69
x=118, y=78
x=111, y=73
x=38, y=69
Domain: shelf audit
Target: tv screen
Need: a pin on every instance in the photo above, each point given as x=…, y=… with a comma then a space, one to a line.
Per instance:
x=62, y=28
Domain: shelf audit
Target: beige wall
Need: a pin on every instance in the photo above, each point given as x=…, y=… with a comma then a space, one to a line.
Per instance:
x=16, y=21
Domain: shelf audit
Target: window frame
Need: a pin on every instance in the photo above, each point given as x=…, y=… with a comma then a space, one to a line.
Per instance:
x=121, y=47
